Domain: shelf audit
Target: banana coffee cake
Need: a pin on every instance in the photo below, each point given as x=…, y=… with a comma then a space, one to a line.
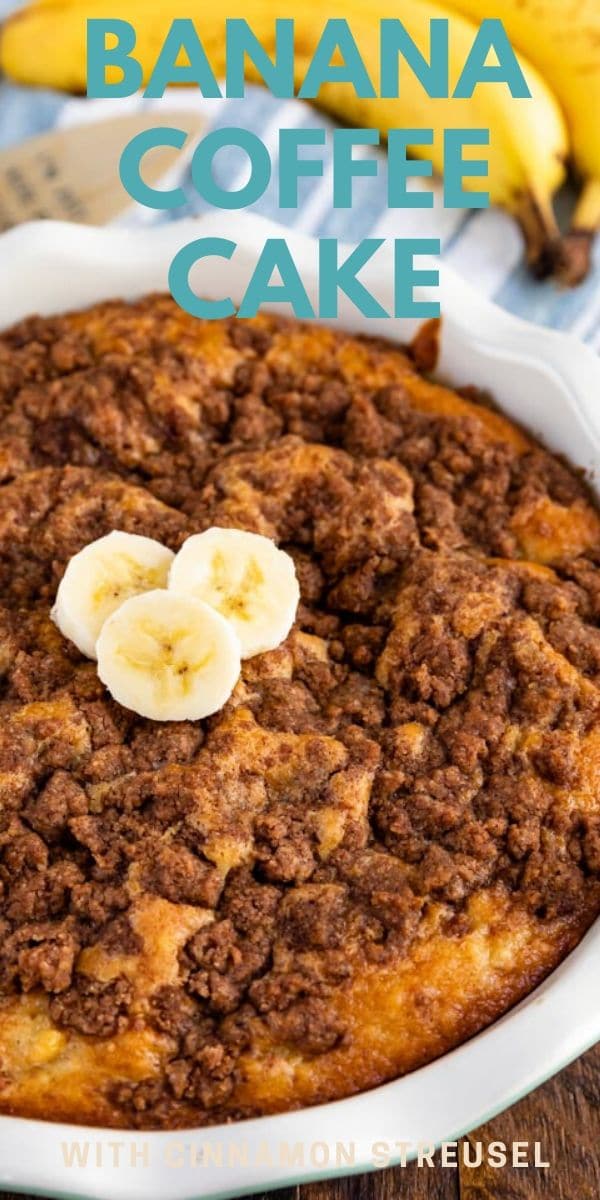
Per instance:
x=390, y=832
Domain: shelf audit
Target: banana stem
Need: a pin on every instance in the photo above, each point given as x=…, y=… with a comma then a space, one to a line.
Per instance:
x=543, y=241
x=584, y=226
x=550, y=253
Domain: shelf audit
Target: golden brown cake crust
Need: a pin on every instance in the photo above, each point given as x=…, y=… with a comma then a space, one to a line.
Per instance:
x=392, y=831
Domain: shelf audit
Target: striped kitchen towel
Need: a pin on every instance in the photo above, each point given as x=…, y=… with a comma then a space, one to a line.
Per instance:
x=484, y=246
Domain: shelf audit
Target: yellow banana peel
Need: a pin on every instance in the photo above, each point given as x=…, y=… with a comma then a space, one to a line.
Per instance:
x=44, y=44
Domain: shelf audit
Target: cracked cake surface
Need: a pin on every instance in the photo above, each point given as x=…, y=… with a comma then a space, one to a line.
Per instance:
x=391, y=832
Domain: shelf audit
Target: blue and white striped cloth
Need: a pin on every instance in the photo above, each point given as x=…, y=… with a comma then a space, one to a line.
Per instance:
x=484, y=246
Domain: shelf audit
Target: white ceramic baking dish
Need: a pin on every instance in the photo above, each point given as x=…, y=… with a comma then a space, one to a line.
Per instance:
x=550, y=383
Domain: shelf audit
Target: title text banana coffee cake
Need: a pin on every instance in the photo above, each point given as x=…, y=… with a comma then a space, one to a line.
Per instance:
x=300, y=715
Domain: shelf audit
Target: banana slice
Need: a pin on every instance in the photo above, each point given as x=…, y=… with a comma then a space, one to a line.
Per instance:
x=103, y=575
x=168, y=657
x=246, y=578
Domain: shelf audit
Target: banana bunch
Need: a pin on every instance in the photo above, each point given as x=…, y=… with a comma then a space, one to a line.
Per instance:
x=562, y=39
x=529, y=143
x=169, y=631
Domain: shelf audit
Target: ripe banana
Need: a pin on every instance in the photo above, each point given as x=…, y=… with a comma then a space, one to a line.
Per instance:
x=562, y=39
x=168, y=657
x=45, y=44
x=246, y=578
x=103, y=575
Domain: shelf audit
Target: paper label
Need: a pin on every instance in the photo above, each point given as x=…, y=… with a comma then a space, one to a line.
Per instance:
x=73, y=174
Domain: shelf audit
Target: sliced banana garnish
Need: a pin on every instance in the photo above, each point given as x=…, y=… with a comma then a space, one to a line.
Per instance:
x=168, y=657
x=103, y=575
x=246, y=578
x=169, y=631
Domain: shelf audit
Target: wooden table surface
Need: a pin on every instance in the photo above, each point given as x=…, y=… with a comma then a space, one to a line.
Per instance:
x=563, y=1115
